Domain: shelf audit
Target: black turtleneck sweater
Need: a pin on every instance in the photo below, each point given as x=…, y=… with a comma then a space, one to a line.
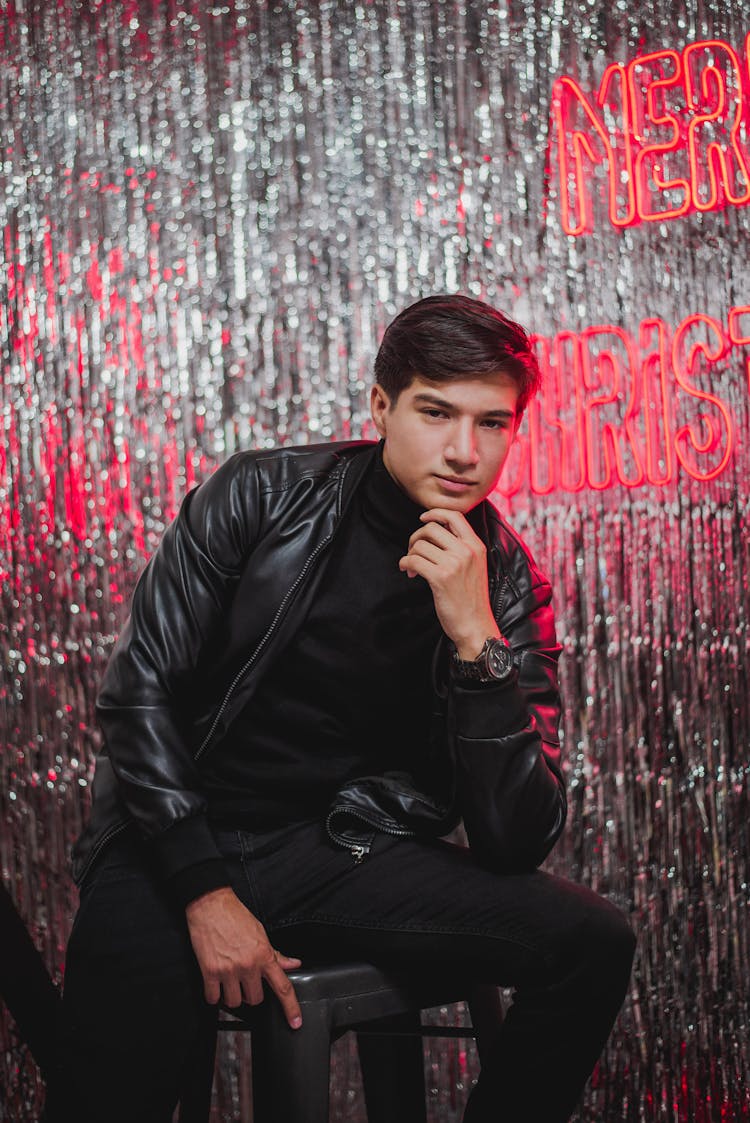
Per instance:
x=351, y=694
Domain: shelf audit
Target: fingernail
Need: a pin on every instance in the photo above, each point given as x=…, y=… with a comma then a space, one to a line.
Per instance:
x=296, y=1023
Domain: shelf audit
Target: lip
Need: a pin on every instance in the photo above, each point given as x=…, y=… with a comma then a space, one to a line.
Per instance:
x=454, y=484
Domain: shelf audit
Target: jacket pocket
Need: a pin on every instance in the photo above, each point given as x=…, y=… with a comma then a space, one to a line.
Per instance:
x=387, y=803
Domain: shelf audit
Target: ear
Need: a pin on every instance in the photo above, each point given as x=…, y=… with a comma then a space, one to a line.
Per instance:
x=380, y=404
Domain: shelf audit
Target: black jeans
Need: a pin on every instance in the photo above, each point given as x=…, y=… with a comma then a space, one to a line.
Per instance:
x=133, y=999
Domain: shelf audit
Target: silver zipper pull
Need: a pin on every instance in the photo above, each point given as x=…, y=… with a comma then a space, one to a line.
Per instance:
x=358, y=854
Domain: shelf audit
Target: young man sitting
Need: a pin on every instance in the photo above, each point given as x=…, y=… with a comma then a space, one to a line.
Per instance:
x=336, y=654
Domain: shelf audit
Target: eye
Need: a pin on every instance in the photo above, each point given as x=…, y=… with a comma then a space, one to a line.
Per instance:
x=431, y=412
x=491, y=423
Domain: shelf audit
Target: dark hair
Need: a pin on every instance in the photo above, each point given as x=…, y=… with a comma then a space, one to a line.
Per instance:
x=450, y=337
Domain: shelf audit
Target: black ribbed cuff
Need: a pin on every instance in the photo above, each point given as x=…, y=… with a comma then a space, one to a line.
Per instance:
x=187, y=843
x=194, y=881
x=488, y=709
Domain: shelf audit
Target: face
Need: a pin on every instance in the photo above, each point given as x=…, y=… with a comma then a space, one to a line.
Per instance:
x=446, y=443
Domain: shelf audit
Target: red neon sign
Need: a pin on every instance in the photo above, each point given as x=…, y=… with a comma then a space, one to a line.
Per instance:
x=716, y=423
x=620, y=409
x=668, y=129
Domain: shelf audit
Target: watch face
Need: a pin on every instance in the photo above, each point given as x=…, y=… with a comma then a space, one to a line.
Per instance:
x=499, y=660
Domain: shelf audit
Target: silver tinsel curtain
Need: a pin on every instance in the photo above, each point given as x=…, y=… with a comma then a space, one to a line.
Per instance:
x=208, y=214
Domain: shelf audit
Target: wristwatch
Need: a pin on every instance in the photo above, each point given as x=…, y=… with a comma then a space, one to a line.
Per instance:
x=494, y=663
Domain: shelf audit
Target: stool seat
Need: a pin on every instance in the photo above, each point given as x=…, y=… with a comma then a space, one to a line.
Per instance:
x=360, y=992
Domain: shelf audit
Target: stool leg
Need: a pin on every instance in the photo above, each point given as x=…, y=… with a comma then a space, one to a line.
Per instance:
x=486, y=1010
x=198, y=1075
x=393, y=1072
x=291, y=1066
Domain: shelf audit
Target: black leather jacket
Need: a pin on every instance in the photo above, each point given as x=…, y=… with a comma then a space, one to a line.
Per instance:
x=216, y=604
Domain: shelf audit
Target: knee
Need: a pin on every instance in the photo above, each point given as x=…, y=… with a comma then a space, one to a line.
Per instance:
x=606, y=945
x=617, y=937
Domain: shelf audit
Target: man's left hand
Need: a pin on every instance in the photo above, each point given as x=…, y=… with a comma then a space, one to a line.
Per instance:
x=453, y=560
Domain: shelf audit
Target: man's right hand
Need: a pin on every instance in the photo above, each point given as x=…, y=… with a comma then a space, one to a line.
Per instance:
x=234, y=954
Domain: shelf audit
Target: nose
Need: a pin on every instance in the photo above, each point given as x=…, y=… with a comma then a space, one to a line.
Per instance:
x=462, y=446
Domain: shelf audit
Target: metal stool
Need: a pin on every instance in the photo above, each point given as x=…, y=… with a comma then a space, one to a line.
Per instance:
x=290, y=1068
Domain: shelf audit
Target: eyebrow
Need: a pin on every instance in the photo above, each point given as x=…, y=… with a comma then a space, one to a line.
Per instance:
x=434, y=400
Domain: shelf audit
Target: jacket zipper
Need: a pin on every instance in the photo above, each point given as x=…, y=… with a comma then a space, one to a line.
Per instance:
x=358, y=850
x=499, y=597
x=248, y=664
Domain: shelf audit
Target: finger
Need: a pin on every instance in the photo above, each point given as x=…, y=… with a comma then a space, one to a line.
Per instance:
x=451, y=559
x=252, y=989
x=453, y=520
x=232, y=991
x=434, y=532
x=406, y=566
x=288, y=961
x=418, y=567
x=284, y=991
x=211, y=989
x=427, y=550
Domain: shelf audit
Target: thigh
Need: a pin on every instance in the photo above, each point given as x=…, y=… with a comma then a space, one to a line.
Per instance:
x=425, y=902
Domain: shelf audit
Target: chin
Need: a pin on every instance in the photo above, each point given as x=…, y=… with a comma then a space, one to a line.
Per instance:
x=459, y=503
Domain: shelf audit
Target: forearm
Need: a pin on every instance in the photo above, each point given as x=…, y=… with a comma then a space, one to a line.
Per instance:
x=509, y=786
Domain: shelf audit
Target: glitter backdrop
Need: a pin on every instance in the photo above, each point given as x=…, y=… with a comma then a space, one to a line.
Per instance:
x=208, y=214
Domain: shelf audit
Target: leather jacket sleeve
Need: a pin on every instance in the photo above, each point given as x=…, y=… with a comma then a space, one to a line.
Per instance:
x=510, y=788
x=177, y=608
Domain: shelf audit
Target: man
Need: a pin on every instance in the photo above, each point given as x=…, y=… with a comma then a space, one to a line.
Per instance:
x=337, y=653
